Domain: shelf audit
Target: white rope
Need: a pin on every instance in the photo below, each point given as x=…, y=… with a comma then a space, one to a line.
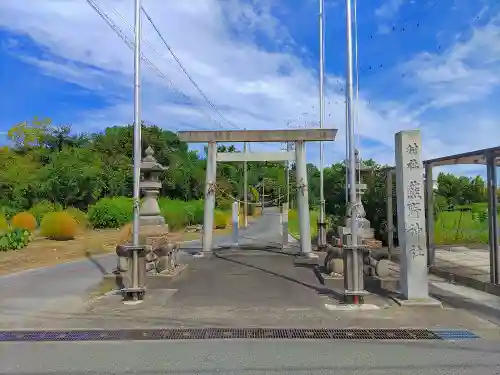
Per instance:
x=255, y=203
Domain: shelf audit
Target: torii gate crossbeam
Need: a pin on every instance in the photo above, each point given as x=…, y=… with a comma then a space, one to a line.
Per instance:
x=299, y=136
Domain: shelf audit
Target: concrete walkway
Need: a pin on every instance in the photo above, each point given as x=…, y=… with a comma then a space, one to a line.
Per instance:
x=63, y=288
x=464, y=261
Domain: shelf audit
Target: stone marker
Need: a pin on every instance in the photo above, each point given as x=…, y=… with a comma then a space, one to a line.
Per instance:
x=411, y=216
x=236, y=222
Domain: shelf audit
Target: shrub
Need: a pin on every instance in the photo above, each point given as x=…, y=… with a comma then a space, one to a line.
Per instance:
x=179, y=213
x=14, y=239
x=195, y=210
x=58, y=226
x=79, y=216
x=111, y=212
x=255, y=193
x=220, y=219
x=225, y=203
x=8, y=212
x=4, y=224
x=43, y=207
x=24, y=220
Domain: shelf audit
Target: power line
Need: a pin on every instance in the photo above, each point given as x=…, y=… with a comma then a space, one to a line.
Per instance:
x=185, y=71
x=130, y=44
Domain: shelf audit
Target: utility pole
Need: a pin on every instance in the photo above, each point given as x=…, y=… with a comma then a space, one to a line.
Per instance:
x=288, y=148
x=137, y=148
x=245, y=188
x=351, y=277
x=321, y=229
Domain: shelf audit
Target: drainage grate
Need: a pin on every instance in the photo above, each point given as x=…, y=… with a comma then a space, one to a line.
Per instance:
x=455, y=335
x=235, y=333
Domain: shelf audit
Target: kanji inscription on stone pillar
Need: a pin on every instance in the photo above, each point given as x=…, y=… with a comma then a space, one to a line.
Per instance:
x=411, y=215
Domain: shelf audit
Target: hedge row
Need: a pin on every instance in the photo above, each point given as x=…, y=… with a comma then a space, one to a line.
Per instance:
x=115, y=212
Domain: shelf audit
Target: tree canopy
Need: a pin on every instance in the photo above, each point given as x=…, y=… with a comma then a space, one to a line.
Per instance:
x=51, y=162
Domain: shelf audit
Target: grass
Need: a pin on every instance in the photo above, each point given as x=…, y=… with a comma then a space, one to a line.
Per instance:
x=462, y=227
x=293, y=222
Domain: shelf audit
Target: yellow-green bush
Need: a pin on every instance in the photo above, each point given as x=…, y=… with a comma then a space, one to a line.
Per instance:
x=220, y=220
x=40, y=209
x=24, y=220
x=79, y=216
x=254, y=193
x=4, y=224
x=58, y=226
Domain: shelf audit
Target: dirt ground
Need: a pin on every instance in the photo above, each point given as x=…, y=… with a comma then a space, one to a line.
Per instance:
x=42, y=252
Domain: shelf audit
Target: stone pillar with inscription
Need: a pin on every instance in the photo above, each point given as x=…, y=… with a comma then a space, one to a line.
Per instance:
x=411, y=216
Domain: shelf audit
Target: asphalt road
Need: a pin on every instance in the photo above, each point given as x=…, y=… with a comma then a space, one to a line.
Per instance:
x=62, y=288
x=252, y=357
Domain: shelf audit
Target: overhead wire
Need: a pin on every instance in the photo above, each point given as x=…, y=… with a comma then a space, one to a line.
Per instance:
x=109, y=21
x=176, y=58
x=185, y=71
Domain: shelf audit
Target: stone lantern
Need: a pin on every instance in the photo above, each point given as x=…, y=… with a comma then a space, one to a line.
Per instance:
x=150, y=185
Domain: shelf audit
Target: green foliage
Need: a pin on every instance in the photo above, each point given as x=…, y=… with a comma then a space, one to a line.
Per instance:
x=225, y=203
x=40, y=209
x=49, y=162
x=8, y=212
x=220, y=219
x=4, y=224
x=58, y=226
x=79, y=216
x=293, y=222
x=111, y=212
x=14, y=239
x=179, y=213
x=24, y=220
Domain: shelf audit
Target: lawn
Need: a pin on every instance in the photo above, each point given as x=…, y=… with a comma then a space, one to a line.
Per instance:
x=468, y=226
x=293, y=222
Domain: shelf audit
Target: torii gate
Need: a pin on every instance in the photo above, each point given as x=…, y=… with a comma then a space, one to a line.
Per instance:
x=299, y=136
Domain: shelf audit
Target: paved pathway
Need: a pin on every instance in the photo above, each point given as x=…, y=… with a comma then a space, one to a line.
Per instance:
x=63, y=288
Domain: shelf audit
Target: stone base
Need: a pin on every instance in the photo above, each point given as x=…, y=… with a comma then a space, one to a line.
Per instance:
x=351, y=307
x=307, y=259
x=203, y=254
x=152, y=220
x=169, y=273
x=152, y=228
x=428, y=302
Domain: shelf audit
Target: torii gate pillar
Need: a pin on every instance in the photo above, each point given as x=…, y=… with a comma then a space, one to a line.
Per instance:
x=299, y=136
x=208, y=214
x=303, y=199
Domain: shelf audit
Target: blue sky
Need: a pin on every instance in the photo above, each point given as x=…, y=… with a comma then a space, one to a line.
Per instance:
x=427, y=64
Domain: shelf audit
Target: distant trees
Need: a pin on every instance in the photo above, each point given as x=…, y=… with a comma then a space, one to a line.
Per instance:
x=51, y=162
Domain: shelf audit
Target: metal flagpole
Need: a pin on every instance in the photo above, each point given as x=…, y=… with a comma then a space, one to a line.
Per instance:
x=321, y=231
x=354, y=288
x=137, y=143
x=245, y=188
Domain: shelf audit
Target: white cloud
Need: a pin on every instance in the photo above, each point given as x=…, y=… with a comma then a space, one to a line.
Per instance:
x=389, y=8
x=466, y=72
